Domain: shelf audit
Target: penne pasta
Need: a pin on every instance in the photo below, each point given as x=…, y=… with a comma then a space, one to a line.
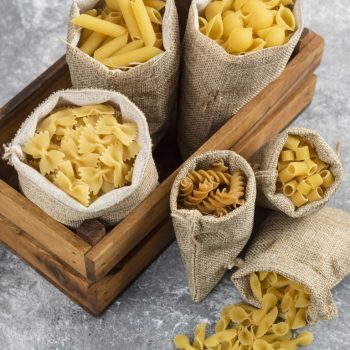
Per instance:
x=99, y=25
x=113, y=5
x=92, y=43
x=144, y=23
x=107, y=50
x=133, y=45
x=136, y=56
x=129, y=18
x=154, y=15
x=156, y=4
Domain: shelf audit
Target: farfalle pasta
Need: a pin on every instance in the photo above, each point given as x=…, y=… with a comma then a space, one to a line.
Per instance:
x=242, y=326
x=212, y=208
x=84, y=154
x=247, y=26
x=297, y=172
x=296, y=263
x=213, y=191
x=96, y=161
x=300, y=177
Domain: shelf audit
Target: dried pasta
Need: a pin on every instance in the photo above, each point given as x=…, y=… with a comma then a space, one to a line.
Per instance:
x=302, y=176
x=85, y=151
x=123, y=33
x=242, y=326
x=213, y=191
x=243, y=26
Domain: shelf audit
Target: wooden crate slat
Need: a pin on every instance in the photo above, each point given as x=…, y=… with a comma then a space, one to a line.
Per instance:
x=114, y=247
x=51, y=234
x=38, y=258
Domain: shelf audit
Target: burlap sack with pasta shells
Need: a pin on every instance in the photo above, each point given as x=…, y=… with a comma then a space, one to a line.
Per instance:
x=313, y=251
x=111, y=207
x=152, y=86
x=209, y=244
x=265, y=163
x=215, y=84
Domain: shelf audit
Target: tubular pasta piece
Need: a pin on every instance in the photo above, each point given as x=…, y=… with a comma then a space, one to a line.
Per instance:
x=312, y=167
x=299, y=199
x=288, y=156
x=327, y=177
x=157, y=4
x=133, y=45
x=99, y=25
x=113, y=5
x=137, y=56
x=315, y=195
x=282, y=165
x=297, y=169
x=111, y=47
x=320, y=165
x=285, y=175
x=314, y=181
x=302, y=153
x=143, y=21
x=92, y=43
x=154, y=15
x=292, y=142
x=304, y=188
x=290, y=188
x=130, y=19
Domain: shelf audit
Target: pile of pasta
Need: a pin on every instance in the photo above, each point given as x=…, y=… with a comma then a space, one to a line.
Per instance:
x=212, y=191
x=242, y=26
x=244, y=327
x=302, y=176
x=85, y=151
x=123, y=33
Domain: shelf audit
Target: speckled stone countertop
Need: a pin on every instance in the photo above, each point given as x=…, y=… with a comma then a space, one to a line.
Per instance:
x=34, y=315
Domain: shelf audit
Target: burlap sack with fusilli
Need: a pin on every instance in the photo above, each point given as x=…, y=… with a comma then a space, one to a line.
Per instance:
x=215, y=84
x=265, y=164
x=152, y=86
x=209, y=244
x=313, y=251
x=111, y=207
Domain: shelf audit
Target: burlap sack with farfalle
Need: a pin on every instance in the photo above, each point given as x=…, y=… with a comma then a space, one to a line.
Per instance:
x=313, y=251
x=265, y=163
x=152, y=86
x=209, y=245
x=215, y=85
x=112, y=206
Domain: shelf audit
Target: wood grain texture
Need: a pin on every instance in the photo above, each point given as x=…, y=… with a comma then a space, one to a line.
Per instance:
x=115, y=246
x=59, y=274
x=55, y=237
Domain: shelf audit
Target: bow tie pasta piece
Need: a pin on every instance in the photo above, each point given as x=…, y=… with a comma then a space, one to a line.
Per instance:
x=93, y=177
x=38, y=147
x=125, y=133
x=89, y=110
x=302, y=177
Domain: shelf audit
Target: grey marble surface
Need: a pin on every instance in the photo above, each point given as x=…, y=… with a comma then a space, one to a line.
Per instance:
x=34, y=315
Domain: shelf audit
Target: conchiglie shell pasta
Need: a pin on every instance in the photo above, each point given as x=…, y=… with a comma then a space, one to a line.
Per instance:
x=274, y=36
x=231, y=21
x=261, y=19
x=258, y=44
x=213, y=9
x=240, y=40
x=285, y=18
x=215, y=27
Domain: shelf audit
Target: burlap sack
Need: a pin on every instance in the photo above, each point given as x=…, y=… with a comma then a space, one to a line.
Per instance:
x=152, y=86
x=265, y=164
x=313, y=251
x=111, y=207
x=209, y=245
x=215, y=84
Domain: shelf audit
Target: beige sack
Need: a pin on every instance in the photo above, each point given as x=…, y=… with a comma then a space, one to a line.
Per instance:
x=313, y=251
x=265, y=162
x=112, y=206
x=215, y=84
x=209, y=244
x=152, y=86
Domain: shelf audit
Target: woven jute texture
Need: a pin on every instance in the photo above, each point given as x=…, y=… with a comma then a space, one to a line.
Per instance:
x=313, y=251
x=152, y=86
x=209, y=245
x=266, y=160
x=215, y=85
x=111, y=207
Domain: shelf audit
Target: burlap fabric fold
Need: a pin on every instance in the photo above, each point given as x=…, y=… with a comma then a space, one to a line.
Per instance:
x=265, y=164
x=313, y=251
x=152, y=86
x=209, y=245
x=111, y=207
x=215, y=85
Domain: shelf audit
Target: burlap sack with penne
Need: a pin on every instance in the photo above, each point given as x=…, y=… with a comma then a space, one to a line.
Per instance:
x=212, y=206
x=83, y=175
x=143, y=65
x=312, y=252
x=216, y=84
x=297, y=172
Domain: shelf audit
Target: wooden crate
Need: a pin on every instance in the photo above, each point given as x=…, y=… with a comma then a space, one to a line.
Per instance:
x=94, y=275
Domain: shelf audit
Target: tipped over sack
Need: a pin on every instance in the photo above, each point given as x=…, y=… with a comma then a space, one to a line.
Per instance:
x=110, y=207
x=312, y=251
x=265, y=161
x=216, y=84
x=152, y=86
x=209, y=244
